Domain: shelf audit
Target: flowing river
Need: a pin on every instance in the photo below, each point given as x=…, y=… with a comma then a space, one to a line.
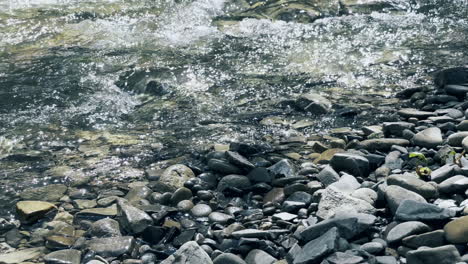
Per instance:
x=105, y=88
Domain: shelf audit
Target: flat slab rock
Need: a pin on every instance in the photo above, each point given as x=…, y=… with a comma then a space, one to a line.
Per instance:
x=21, y=255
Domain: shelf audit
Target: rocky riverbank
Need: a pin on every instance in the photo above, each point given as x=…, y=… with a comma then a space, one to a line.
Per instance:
x=388, y=193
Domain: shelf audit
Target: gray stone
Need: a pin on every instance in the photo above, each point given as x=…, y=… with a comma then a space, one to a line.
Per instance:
x=334, y=200
x=465, y=144
x=220, y=217
x=382, y=144
x=132, y=219
x=372, y=247
x=406, y=229
x=352, y=163
x=138, y=193
x=411, y=112
x=456, y=139
x=456, y=90
x=176, y=175
x=314, y=103
x=111, y=246
x=439, y=255
x=396, y=128
x=239, y=182
x=315, y=250
x=181, y=194
x=66, y=256
x=454, y=184
x=49, y=193
x=463, y=126
x=189, y=252
x=223, y=167
x=347, y=183
x=414, y=184
x=257, y=256
x=410, y=210
x=283, y=168
x=201, y=210
x=343, y=258
x=260, y=175
x=328, y=176
x=430, y=239
x=228, y=258
x=441, y=174
x=19, y=256
x=386, y=260
x=393, y=160
x=301, y=197
x=239, y=160
x=104, y=228
x=395, y=195
x=348, y=226
x=428, y=138
x=365, y=194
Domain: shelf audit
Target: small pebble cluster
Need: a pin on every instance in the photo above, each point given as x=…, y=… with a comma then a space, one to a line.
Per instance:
x=384, y=194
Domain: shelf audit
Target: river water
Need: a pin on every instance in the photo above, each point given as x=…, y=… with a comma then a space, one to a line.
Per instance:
x=82, y=81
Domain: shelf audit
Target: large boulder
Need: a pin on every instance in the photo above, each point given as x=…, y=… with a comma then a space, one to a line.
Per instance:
x=31, y=211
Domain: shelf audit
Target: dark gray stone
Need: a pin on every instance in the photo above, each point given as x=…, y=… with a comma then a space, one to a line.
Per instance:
x=395, y=195
x=223, y=167
x=239, y=182
x=396, y=128
x=315, y=250
x=283, y=168
x=382, y=144
x=328, y=176
x=410, y=210
x=414, y=184
x=430, y=239
x=239, y=160
x=260, y=175
x=132, y=219
x=406, y=229
x=104, y=228
x=441, y=174
x=439, y=255
x=352, y=163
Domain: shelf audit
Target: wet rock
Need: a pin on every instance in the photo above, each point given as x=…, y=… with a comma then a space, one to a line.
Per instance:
x=328, y=176
x=351, y=163
x=138, y=193
x=382, y=144
x=154, y=234
x=456, y=90
x=428, y=138
x=456, y=231
x=49, y=193
x=20, y=256
x=104, y=228
x=228, y=258
x=31, y=211
x=333, y=201
x=176, y=175
x=410, y=210
x=131, y=218
x=239, y=160
x=201, y=210
x=439, y=255
x=430, y=239
x=111, y=246
x=66, y=256
x=283, y=168
x=233, y=181
x=13, y=237
x=314, y=104
x=59, y=242
x=406, y=229
x=223, y=167
x=95, y=214
x=260, y=175
x=414, y=184
x=84, y=204
x=315, y=250
x=257, y=256
x=276, y=195
x=181, y=194
x=395, y=195
x=189, y=252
